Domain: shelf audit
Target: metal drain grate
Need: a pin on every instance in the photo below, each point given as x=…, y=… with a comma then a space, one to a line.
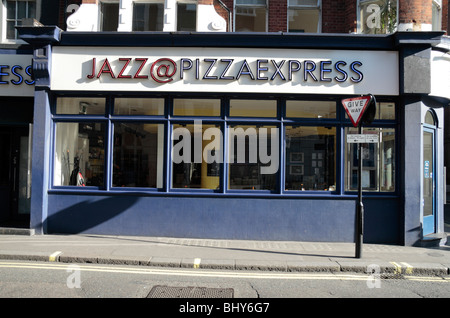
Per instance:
x=190, y=292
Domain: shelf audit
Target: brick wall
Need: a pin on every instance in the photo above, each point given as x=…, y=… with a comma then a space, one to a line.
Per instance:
x=277, y=16
x=415, y=11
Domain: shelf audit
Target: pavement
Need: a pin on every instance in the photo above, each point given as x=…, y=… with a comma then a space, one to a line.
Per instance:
x=237, y=255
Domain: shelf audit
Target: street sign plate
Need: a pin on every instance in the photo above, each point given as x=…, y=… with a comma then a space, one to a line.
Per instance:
x=355, y=108
x=363, y=138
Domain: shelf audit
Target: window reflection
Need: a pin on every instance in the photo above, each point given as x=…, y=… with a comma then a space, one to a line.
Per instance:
x=378, y=173
x=253, y=157
x=196, y=156
x=80, y=152
x=310, y=158
x=138, y=156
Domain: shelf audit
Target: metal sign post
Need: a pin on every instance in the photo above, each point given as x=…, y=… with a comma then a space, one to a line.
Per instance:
x=360, y=110
x=360, y=205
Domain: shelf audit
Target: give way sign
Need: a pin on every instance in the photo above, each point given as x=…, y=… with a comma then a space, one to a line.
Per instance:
x=355, y=108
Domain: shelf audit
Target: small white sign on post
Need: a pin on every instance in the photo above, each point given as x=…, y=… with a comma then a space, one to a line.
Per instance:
x=363, y=139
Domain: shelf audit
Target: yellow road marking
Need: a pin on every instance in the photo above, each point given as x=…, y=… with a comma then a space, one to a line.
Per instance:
x=53, y=256
x=186, y=272
x=409, y=268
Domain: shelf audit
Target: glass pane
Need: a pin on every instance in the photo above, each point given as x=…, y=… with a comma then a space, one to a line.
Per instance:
x=384, y=111
x=79, y=154
x=428, y=161
x=31, y=9
x=110, y=16
x=21, y=9
x=429, y=118
x=81, y=105
x=310, y=158
x=250, y=2
x=253, y=108
x=378, y=161
x=196, y=107
x=304, y=20
x=148, y=17
x=138, y=155
x=253, y=157
x=11, y=9
x=310, y=109
x=304, y=3
x=139, y=106
x=250, y=19
x=10, y=30
x=378, y=16
x=196, y=156
x=186, y=17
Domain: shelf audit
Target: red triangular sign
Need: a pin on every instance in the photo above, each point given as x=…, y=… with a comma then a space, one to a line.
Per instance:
x=355, y=108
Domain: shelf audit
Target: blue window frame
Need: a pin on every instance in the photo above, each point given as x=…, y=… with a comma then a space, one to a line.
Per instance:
x=212, y=145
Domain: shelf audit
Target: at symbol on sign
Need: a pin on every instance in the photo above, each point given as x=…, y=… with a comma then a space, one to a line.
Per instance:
x=163, y=70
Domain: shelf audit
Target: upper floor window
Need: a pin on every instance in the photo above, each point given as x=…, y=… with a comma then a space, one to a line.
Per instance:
x=16, y=12
x=186, y=16
x=148, y=16
x=109, y=16
x=304, y=16
x=377, y=16
x=250, y=16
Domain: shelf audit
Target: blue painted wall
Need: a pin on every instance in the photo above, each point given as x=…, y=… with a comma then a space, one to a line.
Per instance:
x=222, y=218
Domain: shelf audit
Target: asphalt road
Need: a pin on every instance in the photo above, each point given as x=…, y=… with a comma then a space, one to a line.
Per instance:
x=54, y=280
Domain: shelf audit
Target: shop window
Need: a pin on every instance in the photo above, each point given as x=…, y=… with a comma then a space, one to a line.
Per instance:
x=436, y=17
x=148, y=16
x=377, y=16
x=310, y=158
x=109, y=16
x=310, y=109
x=138, y=155
x=196, y=156
x=378, y=173
x=253, y=157
x=196, y=107
x=186, y=17
x=79, y=154
x=16, y=12
x=304, y=16
x=253, y=108
x=81, y=105
x=384, y=111
x=250, y=16
x=139, y=106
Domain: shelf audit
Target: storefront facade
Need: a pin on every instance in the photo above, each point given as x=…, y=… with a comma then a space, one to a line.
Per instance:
x=234, y=136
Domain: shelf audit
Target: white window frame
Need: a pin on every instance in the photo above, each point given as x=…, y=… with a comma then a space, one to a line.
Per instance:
x=149, y=2
x=100, y=15
x=250, y=6
x=358, y=14
x=185, y=2
x=3, y=15
x=318, y=6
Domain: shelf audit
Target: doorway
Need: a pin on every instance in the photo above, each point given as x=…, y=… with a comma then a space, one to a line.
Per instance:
x=429, y=174
x=15, y=176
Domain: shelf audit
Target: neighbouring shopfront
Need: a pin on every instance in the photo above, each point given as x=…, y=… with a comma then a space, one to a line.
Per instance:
x=233, y=136
x=16, y=102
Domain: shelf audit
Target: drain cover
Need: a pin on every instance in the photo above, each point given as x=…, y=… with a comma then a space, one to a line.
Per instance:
x=190, y=292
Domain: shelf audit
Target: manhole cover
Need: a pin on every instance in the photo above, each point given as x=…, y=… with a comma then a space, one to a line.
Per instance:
x=190, y=292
